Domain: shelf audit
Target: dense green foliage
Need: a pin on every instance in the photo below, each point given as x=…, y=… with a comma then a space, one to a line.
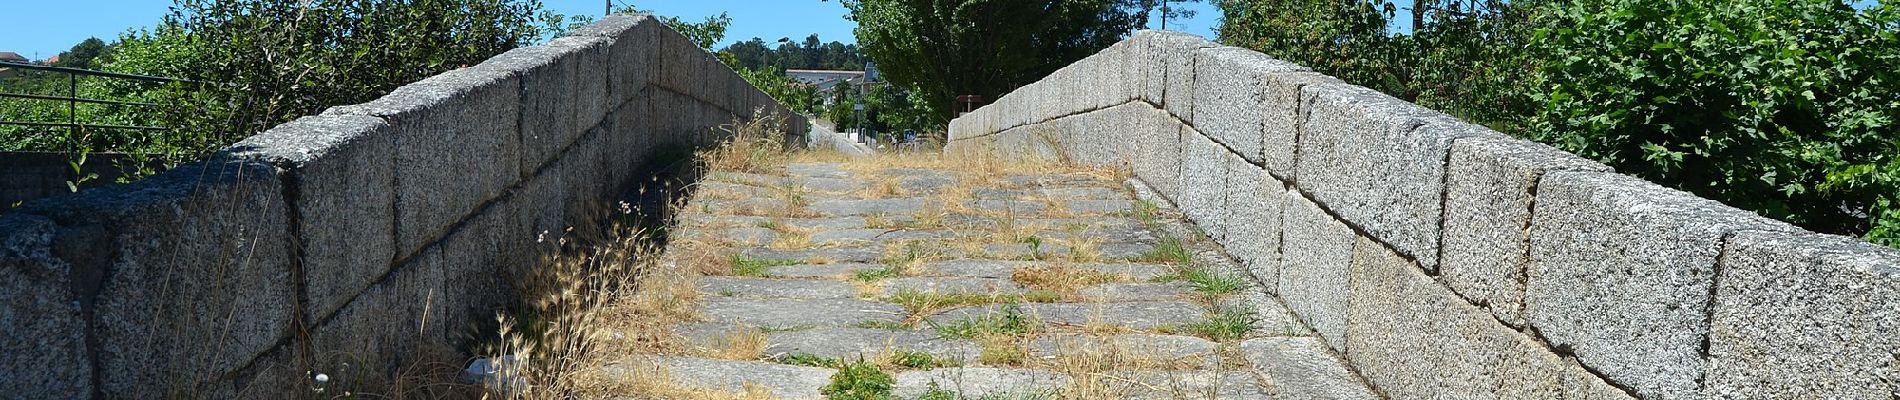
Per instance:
x=251, y=65
x=811, y=54
x=941, y=49
x=1784, y=107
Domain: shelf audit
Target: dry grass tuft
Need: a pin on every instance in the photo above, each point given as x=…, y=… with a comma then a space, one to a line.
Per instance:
x=1063, y=278
x=656, y=382
x=757, y=146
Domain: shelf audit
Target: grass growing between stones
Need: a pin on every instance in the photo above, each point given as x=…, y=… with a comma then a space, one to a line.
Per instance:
x=1063, y=278
x=1168, y=250
x=921, y=303
x=744, y=265
x=1227, y=325
x=1212, y=282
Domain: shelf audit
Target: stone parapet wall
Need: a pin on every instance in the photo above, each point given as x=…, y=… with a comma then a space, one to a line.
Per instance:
x=1442, y=259
x=358, y=242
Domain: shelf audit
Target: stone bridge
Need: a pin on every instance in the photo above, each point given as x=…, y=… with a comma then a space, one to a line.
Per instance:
x=1373, y=248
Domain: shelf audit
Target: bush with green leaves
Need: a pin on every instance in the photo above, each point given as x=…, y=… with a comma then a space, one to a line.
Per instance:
x=1784, y=107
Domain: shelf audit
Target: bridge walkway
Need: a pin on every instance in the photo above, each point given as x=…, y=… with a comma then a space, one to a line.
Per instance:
x=930, y=277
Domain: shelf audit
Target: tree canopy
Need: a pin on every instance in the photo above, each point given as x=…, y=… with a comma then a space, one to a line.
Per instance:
x=946, y=48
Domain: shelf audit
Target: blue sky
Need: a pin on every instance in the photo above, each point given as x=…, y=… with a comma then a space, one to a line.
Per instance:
x=38, y=29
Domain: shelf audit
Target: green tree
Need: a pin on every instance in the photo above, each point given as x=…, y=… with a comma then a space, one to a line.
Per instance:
x=946, y=48
x=82, y=55
x=1784, y=107
x=261, y=63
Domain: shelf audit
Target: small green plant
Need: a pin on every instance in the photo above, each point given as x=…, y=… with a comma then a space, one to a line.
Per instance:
x=808, y=360
x=885, y=325
x=1035, y=247
x=859, y=380
x=1168, y=250
x=744, y=265
x=1226, y=325
x=1012, y=321
x=874, y=275
x=1145, y=212
x=918, y=360
x=1207, y=280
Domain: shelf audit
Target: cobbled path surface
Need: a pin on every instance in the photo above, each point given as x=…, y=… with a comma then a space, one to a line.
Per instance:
x=1050, y=285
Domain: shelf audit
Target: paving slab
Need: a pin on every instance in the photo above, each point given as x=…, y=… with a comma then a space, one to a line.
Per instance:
x=1113, y=292
x=820, y=270
x=1302, y=368
x=851, y=343
x=749, y=287
x=782, y=381
x=789, y=313
x=981, y=382
x=951, y=285
x=1135, y=315
x=1163, y=350
x=857, y=254
x=890, y=206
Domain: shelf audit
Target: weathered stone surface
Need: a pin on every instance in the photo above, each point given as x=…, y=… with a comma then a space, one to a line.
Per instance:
x=457, y=146
x=634, y=58
x=343, y=173
x=901, y=205
x=392, y=325
x=859, y=236
x=950, y=285
x=861, y=254
x=981, y=382
x=40, y=323
x=549, y=99
x=1379, y=162
x=775, y=182
x=787, y=313
x=1230, y=89
x=1111, y=292
x=1158, y=385
x=1159, y=350
x=1315, y=266
x=1282, y=118
x=1009, y=208
x=1169, y=70
x=1204, y=183
x=1488, y=195
x=851, y=343
x=779, y=380
x=478, y=260
x=819, y=170
x=593, y=100
x=1099, y=206
x=191, y=270
x=1412, y=338
x=1136, y=315
x=1159, y=136
x=1620, y=271
x=821, y=270
x=1804, y=316
x=738, y=286
x=1083, y=193
x=1302, y=368
x=1026, y=251
x=1270, y=316
x=1255, y=203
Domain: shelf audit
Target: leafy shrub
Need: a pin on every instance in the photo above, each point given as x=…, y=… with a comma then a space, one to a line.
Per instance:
x=1787, y=108
x=1784, y=107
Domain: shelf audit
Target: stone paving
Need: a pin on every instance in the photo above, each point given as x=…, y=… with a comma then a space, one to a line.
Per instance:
x=1056, y=284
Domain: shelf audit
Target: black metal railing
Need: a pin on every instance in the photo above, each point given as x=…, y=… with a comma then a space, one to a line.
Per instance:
x=72, y=124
